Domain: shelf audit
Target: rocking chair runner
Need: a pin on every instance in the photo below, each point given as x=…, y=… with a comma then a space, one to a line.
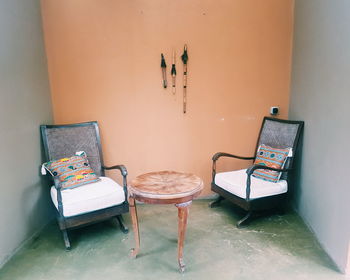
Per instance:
x=254, y=194
x=88, y=203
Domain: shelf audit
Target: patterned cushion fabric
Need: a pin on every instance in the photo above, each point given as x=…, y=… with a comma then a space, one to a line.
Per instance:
x=72, y=172
x=271, y=157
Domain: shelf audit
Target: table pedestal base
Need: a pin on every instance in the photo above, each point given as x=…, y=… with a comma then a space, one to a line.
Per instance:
x=183, y=210
x=135, y=225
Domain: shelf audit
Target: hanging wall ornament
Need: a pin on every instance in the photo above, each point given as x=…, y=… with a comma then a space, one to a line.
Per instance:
x=184, y=58
x=173, y=74
x=163, y=66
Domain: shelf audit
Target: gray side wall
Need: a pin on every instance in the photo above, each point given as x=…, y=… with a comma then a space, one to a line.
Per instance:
x=24, y=104
x=320, y=95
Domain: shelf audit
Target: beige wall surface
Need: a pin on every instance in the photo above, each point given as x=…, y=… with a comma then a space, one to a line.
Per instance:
x=24, y=105
x=104, y=65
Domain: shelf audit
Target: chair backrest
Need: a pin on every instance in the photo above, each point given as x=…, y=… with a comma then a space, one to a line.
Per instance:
x=279, y=133
x=65, y=140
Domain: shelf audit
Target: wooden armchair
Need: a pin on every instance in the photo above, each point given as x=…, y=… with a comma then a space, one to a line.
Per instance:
x=88, y=203
x=255, y=194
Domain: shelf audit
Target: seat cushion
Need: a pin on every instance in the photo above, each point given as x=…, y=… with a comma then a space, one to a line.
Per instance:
x=235, y=182
x=90, y=197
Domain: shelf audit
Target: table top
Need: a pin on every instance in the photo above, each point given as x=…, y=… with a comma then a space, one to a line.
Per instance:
x=166, y=185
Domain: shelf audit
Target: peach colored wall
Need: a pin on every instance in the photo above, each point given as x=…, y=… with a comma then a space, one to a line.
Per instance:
x=104, y=65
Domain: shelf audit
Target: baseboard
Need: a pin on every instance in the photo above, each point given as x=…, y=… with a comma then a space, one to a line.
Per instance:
x=23, y=244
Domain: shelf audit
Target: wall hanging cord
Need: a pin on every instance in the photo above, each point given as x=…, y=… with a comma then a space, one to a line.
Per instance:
x=184, y=58
x=173, y=74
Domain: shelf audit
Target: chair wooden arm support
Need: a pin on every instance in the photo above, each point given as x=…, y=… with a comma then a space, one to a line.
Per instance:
x=120, y=167
x=220, y=154
x=254, y=167
x=124, y=173
x=58, y=186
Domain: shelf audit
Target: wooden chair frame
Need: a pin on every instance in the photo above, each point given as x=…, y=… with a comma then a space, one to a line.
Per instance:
x=66, y=223
x=263, y=203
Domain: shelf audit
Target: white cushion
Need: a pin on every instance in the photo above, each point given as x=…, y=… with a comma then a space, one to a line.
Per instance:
x=90, y=197
x=235, y=182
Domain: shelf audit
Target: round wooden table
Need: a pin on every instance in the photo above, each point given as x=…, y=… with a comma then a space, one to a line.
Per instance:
x=165, y=187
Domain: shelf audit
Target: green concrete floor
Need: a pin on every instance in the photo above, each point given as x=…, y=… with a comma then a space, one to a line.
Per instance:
x=275, y=247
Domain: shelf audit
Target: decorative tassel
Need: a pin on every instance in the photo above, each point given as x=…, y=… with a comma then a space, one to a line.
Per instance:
x=43, y=169
x=80, y=153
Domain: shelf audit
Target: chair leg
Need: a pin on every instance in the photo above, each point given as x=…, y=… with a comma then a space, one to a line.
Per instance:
x=245, y=220
x=123, y=227
x=66, y=239
x=216, y=202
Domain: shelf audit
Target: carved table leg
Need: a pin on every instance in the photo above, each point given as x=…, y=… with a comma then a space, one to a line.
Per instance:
x=135, y=225
x=183, y=209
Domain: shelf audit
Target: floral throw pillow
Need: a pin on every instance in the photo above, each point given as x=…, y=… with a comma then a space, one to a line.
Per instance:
x=271, y=157
x=72, y=172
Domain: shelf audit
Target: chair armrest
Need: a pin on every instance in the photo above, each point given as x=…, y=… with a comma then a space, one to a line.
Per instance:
x=220, y=154
x=124, y=173
x=254, y=167
x=120, y=167
x=58, y=186
x=57, y=183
